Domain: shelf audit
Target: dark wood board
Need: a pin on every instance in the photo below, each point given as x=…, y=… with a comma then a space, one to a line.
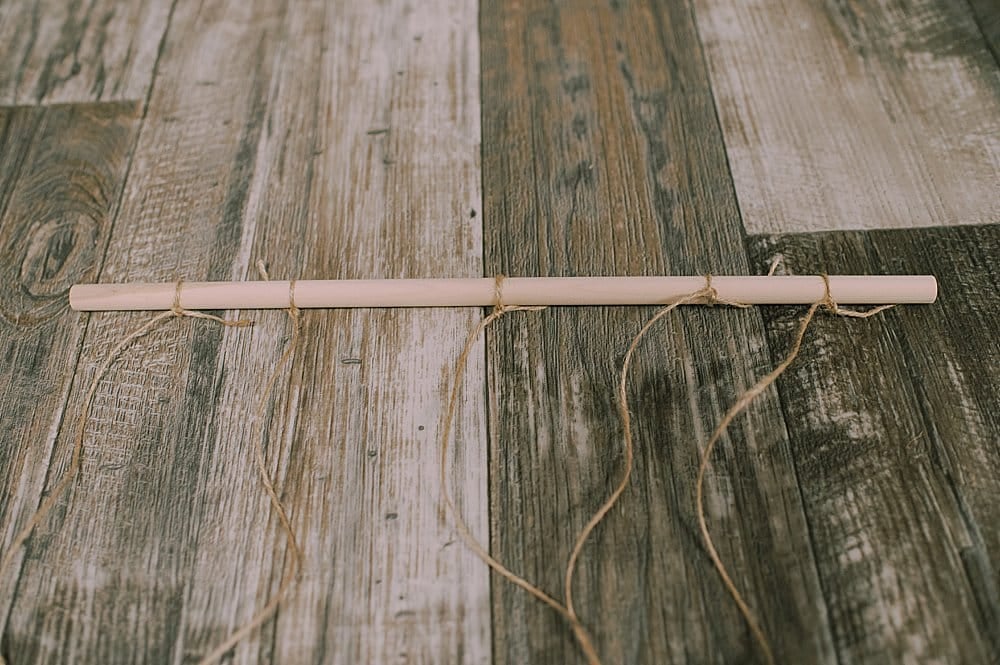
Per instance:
x=986, y=14
x=896, y=439
x=602, y=155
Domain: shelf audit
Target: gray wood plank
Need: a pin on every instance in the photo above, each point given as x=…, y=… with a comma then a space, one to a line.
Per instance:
x=101, y=50
x=368, y=169
x=602, y=156
x=314, y=137
x=896, y=439
x=61, y=174
x=105, y=576
x=855, y=115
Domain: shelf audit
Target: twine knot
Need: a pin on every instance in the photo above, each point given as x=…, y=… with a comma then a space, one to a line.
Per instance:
x=178, y=311
x=827, y=300
x=176, y=306
x=498, y=306
x=831, y=305
x=711, y=294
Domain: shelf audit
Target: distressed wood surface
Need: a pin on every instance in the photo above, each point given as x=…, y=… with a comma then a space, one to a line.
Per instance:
x=854, y=503
x=605, y=158
x=238, y=159
x=102, y=50
x=61, y=172
x=856, y=115
x=987, y=17
x=347, y=185
x=896, y=440
x=152, y=423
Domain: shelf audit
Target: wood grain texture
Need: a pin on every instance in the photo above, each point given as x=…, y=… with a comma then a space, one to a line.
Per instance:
x=304, y=135
x=854, y=504
x=61, y=173
x=370, y=110
x=855, y=115
x=603, y=157
x=106, y=576
x=75, y=51
x=896, y=440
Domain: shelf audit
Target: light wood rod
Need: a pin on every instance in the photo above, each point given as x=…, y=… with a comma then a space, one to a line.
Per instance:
x=776, y=290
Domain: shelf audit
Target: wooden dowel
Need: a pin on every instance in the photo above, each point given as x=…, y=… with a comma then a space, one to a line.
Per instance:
x=787, y=290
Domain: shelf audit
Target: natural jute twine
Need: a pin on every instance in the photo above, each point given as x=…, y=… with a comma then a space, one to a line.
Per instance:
x=706, y=295
x=294, y=561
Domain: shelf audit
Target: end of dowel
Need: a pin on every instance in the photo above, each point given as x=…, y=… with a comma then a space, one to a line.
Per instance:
x=91, y=297
x=924, y=290
x=74, y=297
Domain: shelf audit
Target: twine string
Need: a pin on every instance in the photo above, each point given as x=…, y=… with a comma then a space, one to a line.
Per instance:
x=566, y=609
x=711, y=294
x=742, y=402
x=500, y=308
x=831, y=305
x=177, y=310
x=295, y=561
x=707, y=294
x=294, y=564
x=76, y=459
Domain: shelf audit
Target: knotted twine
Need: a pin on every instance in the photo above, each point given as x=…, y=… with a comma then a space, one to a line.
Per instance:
x=76, y=460
x=294, y=565
x=706, y=295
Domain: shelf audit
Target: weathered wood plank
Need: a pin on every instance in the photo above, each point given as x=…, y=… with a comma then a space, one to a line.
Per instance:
x=987, y=16
x=61, y=173
x=235, y=163
x=56, y=51
x=855, y=115
x=603, y=156
x=368, y=168
x=105, y=577
x=896, y=439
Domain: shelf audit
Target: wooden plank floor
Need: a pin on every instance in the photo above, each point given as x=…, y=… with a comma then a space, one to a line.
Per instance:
x=854, y=503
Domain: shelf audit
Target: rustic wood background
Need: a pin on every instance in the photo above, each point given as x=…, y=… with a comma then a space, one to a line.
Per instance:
x=855, y=503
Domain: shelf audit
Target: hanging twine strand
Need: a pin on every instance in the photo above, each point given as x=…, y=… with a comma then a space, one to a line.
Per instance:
x=742, y=402
x=295, y=559
x=76, y=460
x=707, y=295
x=294, y=563
x=567, y=608
x=499, y=310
